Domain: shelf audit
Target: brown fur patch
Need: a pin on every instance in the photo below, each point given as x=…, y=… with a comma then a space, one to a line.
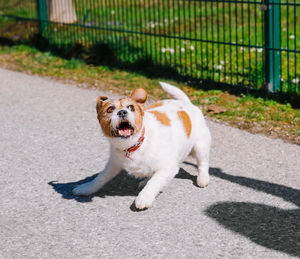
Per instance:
x=122, y=101
x=186, y=121
x=162, y=118
x=104, y=119
x=139, y=114
x=155, y=105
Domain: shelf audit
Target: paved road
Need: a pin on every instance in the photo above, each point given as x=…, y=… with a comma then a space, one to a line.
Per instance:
x=50, y=141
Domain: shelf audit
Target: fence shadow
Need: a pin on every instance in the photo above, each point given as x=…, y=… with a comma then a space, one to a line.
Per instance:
x=289, y=194
x=109, y=54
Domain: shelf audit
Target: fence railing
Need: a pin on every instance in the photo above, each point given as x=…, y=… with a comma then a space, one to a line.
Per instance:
x=255, y=44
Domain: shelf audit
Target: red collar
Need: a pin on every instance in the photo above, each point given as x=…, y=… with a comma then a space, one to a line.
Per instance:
x=136, y=146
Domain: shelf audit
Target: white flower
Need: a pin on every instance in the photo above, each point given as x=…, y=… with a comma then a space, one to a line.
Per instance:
x=112, y=12
x=219, y=67
x=222, y=62
x=151, y=24
x=192, y=47
x=292, y=37
x=164, y=50
x=284, y=29
x=282, y=80
x=260, y=50
x=295, y=80
x=253, y=49
x=182, y=49
x=241, y=48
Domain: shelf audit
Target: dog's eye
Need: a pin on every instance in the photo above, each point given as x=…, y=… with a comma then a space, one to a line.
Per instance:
x=131, y=107
x=110, y=109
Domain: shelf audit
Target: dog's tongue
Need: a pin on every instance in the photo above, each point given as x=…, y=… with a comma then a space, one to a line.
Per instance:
x=125, y=132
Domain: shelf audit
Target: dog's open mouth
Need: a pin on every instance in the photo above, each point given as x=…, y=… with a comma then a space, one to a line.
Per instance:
x=125, y=129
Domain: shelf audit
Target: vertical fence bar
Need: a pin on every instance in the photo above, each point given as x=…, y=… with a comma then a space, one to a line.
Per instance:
x=42, y=15
x=272, y=41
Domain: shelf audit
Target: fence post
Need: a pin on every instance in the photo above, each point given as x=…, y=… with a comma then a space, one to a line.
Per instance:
x=272, y=41
x=42, y=15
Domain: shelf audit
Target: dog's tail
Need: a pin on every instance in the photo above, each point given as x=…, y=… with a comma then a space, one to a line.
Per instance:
x=175, y=92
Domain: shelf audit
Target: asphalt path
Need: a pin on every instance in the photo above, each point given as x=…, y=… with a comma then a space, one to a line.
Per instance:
x=50, y=141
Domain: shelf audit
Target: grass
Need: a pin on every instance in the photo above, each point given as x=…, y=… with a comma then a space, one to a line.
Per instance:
x=242, y=64
x=246, y=111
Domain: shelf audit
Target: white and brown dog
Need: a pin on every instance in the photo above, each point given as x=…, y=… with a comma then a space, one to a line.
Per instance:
x=151, y=142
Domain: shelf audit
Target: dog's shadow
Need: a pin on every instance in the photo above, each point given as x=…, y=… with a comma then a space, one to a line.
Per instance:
x=122, y=185
x=268, y=226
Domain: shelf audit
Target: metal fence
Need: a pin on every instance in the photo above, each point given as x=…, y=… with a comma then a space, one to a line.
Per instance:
x=255, y=44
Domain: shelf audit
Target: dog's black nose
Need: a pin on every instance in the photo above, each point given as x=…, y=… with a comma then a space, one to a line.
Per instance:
x=122, y=113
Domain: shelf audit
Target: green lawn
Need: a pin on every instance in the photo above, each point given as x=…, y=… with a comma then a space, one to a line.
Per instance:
x=219, y=41
x=257, y=114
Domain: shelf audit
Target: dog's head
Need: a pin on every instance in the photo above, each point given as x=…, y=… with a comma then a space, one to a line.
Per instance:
x=122, y=118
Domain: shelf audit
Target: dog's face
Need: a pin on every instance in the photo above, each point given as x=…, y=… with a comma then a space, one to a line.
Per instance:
x=122, y=118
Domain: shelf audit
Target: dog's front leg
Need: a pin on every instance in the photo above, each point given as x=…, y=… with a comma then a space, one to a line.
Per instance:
x=156, y=183
x=111, y=170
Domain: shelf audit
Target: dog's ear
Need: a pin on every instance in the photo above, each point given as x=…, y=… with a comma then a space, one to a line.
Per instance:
x=139, y=95
x=100, y=101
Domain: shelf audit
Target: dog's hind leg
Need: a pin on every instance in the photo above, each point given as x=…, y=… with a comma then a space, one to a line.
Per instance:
x=201, y=153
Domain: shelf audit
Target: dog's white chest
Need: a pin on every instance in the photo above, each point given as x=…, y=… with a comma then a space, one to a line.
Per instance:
x=138, y=169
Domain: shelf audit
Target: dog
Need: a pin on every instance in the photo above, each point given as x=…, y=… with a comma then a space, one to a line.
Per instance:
x=151, y=142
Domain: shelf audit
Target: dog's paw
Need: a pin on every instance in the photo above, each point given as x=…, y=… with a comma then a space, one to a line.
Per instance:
x=203, y=180
x=144, y=201
x=84, y=189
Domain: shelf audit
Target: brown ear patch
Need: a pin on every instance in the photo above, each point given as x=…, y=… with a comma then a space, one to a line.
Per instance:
x=103, y=98
x=186, y=121
x=162, y=118
x=100, y=101
x=139, y=95
x=155, y=105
